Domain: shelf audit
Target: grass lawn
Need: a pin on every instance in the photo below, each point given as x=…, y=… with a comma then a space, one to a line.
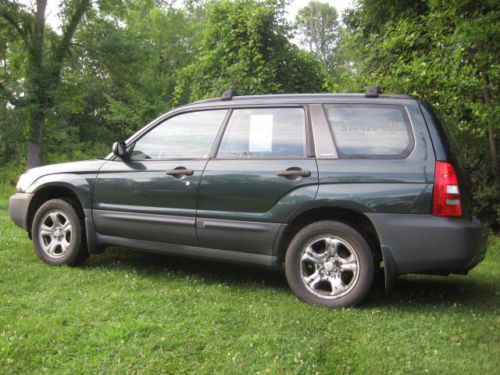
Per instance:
x=126, y=312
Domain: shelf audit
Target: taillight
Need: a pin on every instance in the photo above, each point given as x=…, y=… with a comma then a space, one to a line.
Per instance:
x=446, y=200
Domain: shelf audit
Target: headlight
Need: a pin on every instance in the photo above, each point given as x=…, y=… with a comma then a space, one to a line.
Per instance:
x=23, y=183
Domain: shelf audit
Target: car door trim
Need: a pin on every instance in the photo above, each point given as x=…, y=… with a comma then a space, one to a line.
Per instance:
x=144, y=217
x=190, y=251
x=145, y=209
x=232, y=224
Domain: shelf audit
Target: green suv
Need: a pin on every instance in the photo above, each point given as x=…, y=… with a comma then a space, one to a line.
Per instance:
x=332, y=187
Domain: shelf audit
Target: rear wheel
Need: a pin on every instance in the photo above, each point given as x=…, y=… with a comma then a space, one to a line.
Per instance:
x=58, y=234
x=329, y=263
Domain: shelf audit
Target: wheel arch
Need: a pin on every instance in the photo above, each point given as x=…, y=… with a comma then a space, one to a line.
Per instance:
x=349, y=216
x=47, y=192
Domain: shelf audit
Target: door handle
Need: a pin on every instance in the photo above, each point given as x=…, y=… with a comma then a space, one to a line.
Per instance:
x=294, y=172
x=179, y=172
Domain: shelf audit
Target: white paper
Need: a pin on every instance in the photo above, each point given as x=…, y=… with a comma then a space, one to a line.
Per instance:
x=261, y=133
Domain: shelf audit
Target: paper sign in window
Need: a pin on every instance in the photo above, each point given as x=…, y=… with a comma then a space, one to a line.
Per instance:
x=261, y=133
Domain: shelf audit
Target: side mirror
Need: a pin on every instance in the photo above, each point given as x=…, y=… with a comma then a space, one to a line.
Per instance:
x=120, y=150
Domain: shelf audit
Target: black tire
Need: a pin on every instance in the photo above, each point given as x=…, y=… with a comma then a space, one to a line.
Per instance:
x=74, y=250
x=354, y=249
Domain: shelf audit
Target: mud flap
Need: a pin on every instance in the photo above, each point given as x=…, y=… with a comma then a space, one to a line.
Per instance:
x=391, y=271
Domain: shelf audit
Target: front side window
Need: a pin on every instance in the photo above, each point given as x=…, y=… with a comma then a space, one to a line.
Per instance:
x=185, y=136
x=361, y=130
x=264, y=132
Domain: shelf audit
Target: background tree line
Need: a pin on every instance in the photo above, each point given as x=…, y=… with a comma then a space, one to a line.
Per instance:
x=116, y=64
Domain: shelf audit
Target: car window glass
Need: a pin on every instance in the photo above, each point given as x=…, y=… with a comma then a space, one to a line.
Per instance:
x=264, y=132
x=370, y=130
x=188, y=135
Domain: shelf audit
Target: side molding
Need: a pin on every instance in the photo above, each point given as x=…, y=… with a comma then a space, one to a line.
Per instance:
x=190, y=251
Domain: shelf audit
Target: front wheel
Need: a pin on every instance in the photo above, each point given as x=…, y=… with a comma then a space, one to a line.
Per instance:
x=329, y=263
x=58, y=234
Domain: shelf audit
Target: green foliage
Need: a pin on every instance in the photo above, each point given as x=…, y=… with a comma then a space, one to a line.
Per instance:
x=372, y=16
x=12, y=119
x=119, y=75
x=245, y=47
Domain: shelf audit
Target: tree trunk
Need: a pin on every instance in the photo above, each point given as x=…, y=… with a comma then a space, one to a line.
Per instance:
x=491, y=135
x=493, y=150
x=43, y=70
x=37, y=88
x=37, y=120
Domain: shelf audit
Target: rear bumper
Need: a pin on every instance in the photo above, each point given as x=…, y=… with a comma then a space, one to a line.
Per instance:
x=429, y=244
x=18, y=208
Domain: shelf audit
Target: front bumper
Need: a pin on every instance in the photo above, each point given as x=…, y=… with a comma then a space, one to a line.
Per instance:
x=18, y=208
x=430, y=244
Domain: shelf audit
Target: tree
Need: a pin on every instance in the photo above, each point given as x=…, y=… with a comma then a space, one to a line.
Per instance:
x=122, y=71
x=45, y=54
x=119, y=74
x=245, y=47
x=11, y=66
x=318, y=25
x=372, y=16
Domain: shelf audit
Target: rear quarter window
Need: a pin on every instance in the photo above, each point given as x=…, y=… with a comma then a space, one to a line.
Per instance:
x=370, y=131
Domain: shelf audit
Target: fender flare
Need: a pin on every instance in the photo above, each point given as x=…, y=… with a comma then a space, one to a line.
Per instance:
x=82, y=188
x=391, y=271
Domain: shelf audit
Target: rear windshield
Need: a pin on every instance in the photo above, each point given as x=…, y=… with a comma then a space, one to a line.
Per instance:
x=362, y=130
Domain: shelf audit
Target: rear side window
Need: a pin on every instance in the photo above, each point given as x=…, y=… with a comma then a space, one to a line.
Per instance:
x=264, y=132
x=370, y=131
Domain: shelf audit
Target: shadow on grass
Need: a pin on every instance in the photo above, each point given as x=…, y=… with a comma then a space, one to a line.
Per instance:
x=410, y=291
x=156, y=265
x=450, y=292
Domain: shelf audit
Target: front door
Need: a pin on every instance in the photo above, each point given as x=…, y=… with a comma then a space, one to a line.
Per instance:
x=260, y=174
x=153, y=195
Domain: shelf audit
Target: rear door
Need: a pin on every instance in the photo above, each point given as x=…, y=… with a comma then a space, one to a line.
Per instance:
x=260, y=173
x=153, y=196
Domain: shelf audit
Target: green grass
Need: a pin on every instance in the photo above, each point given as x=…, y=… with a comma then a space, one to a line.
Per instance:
x=126, y=312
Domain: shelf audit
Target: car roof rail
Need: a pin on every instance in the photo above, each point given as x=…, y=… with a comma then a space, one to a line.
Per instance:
x=227, y=95
x=372, y=91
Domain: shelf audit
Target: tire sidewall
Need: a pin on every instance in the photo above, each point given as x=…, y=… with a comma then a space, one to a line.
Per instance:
x=346, y=233
x=75, y=247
